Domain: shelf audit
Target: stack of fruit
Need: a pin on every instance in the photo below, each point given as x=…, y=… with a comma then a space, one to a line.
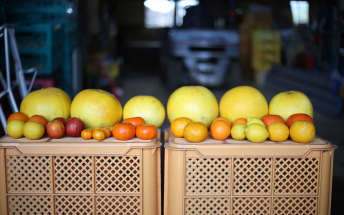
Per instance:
x=128, y=129
x=48, y=111
x=192, y=111
x=244, y=114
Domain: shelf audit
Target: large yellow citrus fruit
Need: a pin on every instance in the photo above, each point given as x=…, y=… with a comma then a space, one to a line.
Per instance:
x=194, y=102
x=147, y=107
x=48, y=102
x=243, y=101
x=96, y=108
x=288, y=103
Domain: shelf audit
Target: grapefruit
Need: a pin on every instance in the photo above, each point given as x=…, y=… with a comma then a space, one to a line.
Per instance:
x=96, y=108
x=147, y=107
x=243, y=102
x=194, y=102
x=288, y=103
x=48, y=102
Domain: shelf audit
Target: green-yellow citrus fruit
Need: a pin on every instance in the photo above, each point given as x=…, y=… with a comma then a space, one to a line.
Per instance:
x=288, y=103
x=238, y=131
x=48, y=102
x=33, y=130
x=195, y=102
x=96, y=108
x=256, y=133
x=243, y=101
x=251, y=120
x=147, y=107
x=15, y=128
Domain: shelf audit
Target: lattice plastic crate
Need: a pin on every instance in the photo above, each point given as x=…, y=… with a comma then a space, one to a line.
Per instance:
x=238, y=177
x=73, y=176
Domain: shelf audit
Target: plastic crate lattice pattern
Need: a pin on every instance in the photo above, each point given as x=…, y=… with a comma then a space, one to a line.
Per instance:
x=43, y=184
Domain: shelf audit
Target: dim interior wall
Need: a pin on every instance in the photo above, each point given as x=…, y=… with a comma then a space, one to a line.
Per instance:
x=93, y=16
x=130, y=13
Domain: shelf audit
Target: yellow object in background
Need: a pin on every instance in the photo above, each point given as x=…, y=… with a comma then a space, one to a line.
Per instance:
x=266, y=49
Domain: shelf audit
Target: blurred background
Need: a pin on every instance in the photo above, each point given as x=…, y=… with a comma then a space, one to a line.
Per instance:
x=131, y=47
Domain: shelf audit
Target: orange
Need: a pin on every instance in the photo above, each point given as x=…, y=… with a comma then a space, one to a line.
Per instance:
x=302, y=131
x=107, y=132
x=195, y=132
x=98, y=134
x=270, y=118
x=299, y=116
x=223, y=119
x=135, y=121
x=220, y=129
x=178, y=125
x=240, y=120
x=110, y=128
x=86, y=134
x=278, y=131
x=17, y=115
x=123, y=131
x=39, y=119
x=146, y=132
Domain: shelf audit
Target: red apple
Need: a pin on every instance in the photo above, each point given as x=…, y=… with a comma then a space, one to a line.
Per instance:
x=74, y=127
x=55, y=129
x=63, y=120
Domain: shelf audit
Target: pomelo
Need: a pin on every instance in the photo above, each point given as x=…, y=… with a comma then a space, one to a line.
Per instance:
x=147, y=107
x=291, y=102
x=96, y=108
x=194, y=102
x=243, y=102
x=48, y=102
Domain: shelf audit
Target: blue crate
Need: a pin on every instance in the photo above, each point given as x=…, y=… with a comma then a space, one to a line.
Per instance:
x=43, y=42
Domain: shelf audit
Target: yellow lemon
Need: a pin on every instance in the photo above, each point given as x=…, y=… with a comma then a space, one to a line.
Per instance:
x=33, y=130
x=256, y=133
x=278, y=131
x=302, y=131
x=15, y=128
x=238, y=131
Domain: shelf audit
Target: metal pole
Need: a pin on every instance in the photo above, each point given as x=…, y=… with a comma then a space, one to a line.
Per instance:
x=8, y=74
x=17, y=63
x=175, y=14
x=3, y=119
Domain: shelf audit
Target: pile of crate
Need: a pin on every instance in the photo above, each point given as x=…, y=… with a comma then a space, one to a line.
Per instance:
x=46, y=36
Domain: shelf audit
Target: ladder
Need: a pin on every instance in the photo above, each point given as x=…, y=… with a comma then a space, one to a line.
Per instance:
x=8, y=34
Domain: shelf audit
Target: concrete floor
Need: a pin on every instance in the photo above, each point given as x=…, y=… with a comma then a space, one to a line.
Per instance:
x=329, y=128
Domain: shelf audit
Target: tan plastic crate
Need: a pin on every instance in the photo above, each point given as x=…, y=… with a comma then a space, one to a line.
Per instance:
x=73, y=176
x=238, y=177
